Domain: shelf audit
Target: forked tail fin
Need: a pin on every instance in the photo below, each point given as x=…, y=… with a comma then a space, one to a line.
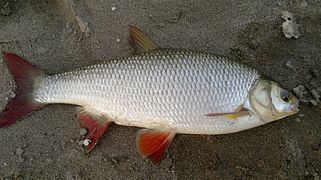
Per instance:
x=23, y=103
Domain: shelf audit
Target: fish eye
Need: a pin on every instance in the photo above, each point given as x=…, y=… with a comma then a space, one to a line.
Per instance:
x=285, y=95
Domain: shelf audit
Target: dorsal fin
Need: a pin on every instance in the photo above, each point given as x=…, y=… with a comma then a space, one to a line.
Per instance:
x=140, y=40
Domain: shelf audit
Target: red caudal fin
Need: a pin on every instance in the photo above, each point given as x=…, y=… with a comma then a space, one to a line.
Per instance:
x=96, y=126
x=23, y=103
x=154, y=143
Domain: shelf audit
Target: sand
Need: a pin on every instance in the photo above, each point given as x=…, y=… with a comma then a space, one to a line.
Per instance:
x=61, y=35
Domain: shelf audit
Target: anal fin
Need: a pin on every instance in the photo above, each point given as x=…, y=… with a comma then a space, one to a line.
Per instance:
x=154, y=143
x=95, y=124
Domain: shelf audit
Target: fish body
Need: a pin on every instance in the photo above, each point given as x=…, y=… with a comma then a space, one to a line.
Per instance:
x=158, y=89
x=164, y=91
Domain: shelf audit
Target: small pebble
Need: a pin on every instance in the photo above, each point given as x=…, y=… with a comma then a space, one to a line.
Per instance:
x=152, y=17
x=113, y=8
x=12, y=94
x=83, y=132
x=300, y=91
x=117, y=40
x=114, y=160
x=166, y=163
x=161, y=24
x=290, y=27
x=83, y=26
x=19, y=151
x=314, y=102
x=81, y=142
x=298, y=120
x=289, y=65
x=87, y=142
x=315, y=95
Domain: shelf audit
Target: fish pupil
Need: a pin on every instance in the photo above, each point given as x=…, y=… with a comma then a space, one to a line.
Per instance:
x=285, y=95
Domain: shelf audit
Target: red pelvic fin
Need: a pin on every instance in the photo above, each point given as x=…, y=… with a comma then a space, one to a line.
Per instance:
x=154, y=143
x=23, y=103
x=96, y=126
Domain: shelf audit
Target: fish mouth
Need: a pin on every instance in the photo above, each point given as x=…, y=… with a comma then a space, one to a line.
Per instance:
x=295, y=109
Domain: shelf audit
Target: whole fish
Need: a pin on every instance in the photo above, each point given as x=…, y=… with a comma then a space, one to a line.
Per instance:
x=165, y=91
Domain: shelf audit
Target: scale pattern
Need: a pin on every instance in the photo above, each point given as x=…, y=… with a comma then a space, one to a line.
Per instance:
x=158, y=89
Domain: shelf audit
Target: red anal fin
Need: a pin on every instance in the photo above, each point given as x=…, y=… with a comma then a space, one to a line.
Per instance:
x=95, y=125
x=154, y=143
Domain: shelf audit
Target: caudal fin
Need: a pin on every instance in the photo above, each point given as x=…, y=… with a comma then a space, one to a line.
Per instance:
x=23, y=103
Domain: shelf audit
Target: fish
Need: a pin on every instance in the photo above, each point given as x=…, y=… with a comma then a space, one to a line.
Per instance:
x=164, y=91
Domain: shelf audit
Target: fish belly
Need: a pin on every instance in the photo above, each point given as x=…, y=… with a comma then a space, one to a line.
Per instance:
x=158, y=89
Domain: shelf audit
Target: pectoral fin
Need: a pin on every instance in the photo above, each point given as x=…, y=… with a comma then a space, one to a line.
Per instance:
x=95, y=124
x=234, y=116
x=231, y=116
x=140, y=40
x=154, y=143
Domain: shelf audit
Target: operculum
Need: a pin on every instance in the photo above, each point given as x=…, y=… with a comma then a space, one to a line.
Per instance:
x=260, y=100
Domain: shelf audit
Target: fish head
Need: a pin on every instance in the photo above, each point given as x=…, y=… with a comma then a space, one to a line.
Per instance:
x=272, y=102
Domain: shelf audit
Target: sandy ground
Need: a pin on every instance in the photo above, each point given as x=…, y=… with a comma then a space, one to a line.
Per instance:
x=62, y=35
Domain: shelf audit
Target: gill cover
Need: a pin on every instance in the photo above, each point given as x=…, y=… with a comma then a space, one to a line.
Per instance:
x=268, y=101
